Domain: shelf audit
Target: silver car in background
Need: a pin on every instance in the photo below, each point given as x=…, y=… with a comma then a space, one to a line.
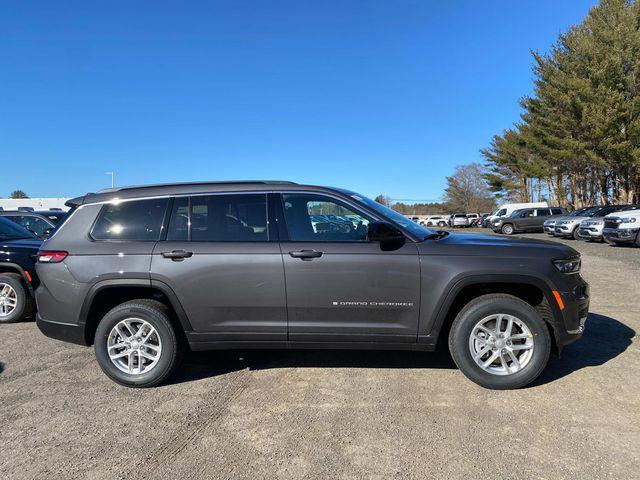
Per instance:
x=591, y=228
x=458, y=220
x=549, y=225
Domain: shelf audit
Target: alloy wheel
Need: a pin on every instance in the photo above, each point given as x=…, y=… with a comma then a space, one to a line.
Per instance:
x=8, y=299
x=501, y=344
x=134, y=346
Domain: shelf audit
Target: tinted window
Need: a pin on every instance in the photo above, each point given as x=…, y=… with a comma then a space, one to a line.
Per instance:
x=556, y=211
x=139, y=220
x=179, y=223
x=542, y=212
x=501, y=212
x=10, y=230
x=36, y=225
x=220, y=218
x=322, y=219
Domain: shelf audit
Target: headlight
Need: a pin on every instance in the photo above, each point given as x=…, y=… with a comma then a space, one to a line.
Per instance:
x=628, y=220
x=569, y=265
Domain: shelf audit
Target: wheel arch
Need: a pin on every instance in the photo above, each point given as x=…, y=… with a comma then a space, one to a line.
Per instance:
x=10, y=267
x=530, y=288
x=106, y=294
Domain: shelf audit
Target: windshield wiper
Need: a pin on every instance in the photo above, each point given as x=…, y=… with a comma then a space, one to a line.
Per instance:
x=438, y=234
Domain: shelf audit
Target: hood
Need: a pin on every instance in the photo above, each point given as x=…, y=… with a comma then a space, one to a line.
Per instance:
x=477, y=244
x=624, y=214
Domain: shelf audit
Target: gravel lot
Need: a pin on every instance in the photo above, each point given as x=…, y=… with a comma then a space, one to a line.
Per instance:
x=327, y=414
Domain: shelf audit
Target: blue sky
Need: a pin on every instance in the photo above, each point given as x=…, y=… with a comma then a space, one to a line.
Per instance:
x=376, y=96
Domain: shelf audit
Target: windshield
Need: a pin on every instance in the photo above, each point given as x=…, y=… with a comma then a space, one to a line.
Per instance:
x=394, y=216
x=577, y=213
x=13, y=231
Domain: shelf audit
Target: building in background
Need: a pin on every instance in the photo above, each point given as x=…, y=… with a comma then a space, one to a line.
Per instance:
x=34, y=203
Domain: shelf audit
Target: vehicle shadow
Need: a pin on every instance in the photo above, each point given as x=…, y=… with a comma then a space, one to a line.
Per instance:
x=604, y=339
x=199, y=365
x=1, y=368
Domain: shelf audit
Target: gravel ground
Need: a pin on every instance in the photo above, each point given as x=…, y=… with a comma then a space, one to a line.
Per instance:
x=288, y=414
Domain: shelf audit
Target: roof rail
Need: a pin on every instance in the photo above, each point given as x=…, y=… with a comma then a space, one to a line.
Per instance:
x=171, y=184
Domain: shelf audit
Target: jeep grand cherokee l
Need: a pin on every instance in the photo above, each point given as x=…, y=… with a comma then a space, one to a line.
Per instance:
x=144, y=273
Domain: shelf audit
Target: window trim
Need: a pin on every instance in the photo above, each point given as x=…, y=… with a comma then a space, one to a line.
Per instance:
x=287, y=238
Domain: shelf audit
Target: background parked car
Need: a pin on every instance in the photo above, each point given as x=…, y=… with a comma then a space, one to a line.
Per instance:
x=569, y=227
x=458, y=220
x=40, y=225
x=508, y=208
x=435, y=221
x=17, y=273
x=474, y=219
x=591, y=228
x=525, y=220
x=622, y=228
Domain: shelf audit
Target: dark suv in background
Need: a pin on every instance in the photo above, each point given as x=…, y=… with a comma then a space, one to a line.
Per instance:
x=18, y=248
x=40, y=224
x=144, y=273
x=526, y=220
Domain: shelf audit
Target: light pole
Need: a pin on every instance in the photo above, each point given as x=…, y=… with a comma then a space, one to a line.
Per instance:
x=113, y=177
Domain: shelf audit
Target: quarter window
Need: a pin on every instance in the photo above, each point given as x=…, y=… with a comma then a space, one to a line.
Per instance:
x=137, y=220
x=315, y=218
x=219, y=218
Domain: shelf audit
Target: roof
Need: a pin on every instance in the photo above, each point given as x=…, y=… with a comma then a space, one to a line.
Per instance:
x=190, y=188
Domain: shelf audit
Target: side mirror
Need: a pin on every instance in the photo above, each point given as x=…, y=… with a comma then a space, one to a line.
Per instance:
x=389, y=236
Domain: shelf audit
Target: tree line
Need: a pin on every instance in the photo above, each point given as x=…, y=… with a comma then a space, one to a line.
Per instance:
x=578, y=141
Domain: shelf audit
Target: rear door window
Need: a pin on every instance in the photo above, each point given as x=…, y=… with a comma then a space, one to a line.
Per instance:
x=137, y=220
x=219, y=218
x=542, y=212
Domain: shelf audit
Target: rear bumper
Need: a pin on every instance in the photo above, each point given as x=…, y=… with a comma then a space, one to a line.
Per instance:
x=621, y=235
x=68, y=332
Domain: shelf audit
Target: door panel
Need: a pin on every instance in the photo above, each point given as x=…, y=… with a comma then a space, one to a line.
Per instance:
x=233, y=290
x=224, y=266
x=353, y=292
x=340, y=286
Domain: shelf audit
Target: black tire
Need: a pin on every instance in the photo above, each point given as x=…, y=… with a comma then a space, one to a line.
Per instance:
x=491, y=304
x=507, y=229
x=157, y=315
x=25, y=305
x=576, y=233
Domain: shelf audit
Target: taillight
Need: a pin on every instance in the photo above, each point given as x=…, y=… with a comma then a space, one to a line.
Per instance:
x=48, y=256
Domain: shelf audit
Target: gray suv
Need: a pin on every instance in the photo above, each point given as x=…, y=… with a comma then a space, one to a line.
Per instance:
x=146, y=273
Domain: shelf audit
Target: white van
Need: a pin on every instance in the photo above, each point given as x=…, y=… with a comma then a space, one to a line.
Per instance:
x=508, y=208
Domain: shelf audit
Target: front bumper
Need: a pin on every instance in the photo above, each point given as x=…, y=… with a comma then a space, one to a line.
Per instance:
x=549, y=229
x=620, y=235
x=574, y=314
x=590, y=233
x=67, y=332
x=563, y=230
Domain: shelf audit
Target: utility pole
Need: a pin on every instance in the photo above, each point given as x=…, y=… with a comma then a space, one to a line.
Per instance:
x=113, y=178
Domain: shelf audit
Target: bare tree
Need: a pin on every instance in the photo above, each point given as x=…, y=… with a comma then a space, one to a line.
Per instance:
x=467, y=190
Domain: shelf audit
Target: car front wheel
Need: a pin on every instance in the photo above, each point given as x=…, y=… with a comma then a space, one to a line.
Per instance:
x=500, y=342
x=136, y=345
x=507, y=229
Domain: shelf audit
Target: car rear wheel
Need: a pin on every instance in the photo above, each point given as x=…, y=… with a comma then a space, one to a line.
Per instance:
x=507, y=229
x=499, y=341
x=442, y=224
x=136, y=344
x=15, y=301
